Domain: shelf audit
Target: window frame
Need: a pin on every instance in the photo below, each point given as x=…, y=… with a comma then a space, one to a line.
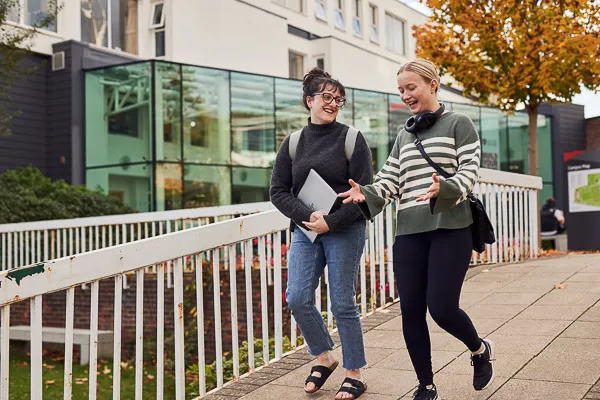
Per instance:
x=323, y=4
x=374, y=25
x=339, y=12
x=388, y=34
x=302, y=57
x=283, y=3
x=356, y=18
x=160, y=24
x=21, y=17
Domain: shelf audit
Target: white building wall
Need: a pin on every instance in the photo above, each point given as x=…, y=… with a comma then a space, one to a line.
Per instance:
x=252, y=36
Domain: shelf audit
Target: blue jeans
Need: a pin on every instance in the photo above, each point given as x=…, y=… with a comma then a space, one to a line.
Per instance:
x=341, y=252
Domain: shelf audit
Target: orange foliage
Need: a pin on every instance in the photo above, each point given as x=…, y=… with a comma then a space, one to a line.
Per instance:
x=510, y=52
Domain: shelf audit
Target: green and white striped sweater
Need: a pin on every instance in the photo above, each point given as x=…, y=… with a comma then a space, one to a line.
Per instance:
x=453, y=144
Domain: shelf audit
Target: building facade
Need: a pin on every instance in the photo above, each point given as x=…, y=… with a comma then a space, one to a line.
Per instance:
x=181, y=103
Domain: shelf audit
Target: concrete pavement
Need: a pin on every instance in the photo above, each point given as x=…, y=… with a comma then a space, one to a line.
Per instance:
x=547, y=341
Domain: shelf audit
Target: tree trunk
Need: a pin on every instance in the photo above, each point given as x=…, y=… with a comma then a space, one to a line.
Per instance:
x=532, y=111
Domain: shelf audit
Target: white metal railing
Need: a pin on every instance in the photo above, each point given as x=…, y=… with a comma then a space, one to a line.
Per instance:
x=31, y=242
x=248, y=253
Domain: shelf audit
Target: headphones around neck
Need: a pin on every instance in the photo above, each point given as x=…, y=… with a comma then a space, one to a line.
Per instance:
x=423, y=120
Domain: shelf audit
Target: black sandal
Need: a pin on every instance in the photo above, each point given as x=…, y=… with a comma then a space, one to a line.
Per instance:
x=356, y=388
x=319, y=381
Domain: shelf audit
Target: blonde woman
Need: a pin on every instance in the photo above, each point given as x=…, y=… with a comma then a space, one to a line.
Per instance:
x=433, y=244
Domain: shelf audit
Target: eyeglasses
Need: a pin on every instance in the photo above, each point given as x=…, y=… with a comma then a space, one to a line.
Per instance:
x=328, y=98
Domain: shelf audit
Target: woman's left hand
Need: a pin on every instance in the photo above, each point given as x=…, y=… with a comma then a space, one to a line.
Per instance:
x=319, y=226
x=433, y=191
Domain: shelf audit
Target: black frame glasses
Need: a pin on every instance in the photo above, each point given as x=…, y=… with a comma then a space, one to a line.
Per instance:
x=340, y=101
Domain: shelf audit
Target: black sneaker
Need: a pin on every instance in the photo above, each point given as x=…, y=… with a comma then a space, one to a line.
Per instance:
x=422, y=393
x=483, y=365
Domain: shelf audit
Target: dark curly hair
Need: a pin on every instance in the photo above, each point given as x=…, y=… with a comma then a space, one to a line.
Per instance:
x=316, y=81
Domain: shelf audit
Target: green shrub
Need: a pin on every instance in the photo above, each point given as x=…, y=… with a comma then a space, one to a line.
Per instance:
x=27, y=195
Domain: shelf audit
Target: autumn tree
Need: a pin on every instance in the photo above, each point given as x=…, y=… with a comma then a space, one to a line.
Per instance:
x=14, y=43
x=515, y=52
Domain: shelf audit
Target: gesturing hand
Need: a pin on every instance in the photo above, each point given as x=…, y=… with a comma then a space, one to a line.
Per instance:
x=432, y=191
x=354, y=194
x=319, y=226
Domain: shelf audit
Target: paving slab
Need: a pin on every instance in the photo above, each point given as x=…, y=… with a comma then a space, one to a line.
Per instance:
x=520, y=389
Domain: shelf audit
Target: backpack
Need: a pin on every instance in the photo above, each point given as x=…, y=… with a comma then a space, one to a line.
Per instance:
x=349, y=145
x=548, y=219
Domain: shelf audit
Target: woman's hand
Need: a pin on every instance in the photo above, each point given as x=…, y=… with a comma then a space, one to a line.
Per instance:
x=354, y=194
x=319, y=226
x=433, y=191
x=315, y=216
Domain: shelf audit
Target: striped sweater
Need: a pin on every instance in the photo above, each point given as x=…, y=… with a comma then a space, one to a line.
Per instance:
x=453, y=143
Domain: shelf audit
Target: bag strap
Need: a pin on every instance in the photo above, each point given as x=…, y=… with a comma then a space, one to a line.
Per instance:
x=439, y=169
x=348, y=145
x=294, y=137
x=350, y=142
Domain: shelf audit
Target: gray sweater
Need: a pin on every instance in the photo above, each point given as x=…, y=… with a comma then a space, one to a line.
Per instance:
x=322, y=148
x=453, y=144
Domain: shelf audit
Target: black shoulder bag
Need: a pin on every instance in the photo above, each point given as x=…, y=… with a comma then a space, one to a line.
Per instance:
x=482, y=229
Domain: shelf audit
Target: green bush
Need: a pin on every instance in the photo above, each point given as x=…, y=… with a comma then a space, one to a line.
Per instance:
x=27, y=195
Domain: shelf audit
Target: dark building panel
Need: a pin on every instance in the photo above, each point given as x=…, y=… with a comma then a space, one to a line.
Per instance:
x=29, y=103
x=568, y=134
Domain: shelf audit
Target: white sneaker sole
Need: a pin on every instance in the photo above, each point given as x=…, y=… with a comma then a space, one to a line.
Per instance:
x=492, y=357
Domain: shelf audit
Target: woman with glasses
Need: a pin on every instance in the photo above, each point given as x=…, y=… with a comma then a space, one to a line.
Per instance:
x=341, y=233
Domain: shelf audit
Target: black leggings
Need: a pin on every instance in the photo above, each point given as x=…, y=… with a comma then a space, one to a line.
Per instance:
x=430, y=269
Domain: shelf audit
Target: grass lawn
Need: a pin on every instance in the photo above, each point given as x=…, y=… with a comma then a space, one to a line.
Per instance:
x=53, y=380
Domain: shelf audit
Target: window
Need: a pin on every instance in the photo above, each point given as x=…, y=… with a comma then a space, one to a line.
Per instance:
x=374, y=35
x=159, y=43
x=14, y=14
x=110, y=23
x=339, y=15
x=37, y=13
x=321, y=63
x=394, y=30
x=294, y=5
x=296, y=65
x=356, y=18
x=157, y=23
x=320, y=10
x=158, y=16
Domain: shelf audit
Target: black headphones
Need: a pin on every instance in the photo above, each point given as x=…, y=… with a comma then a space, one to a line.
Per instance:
x=423, y=120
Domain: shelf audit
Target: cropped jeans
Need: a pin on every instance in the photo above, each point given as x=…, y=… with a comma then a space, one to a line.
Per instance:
x=341, y=252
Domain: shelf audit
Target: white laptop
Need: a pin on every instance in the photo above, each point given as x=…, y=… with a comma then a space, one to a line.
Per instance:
x=317, y=195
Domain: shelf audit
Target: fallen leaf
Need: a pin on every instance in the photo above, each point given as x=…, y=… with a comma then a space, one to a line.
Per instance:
x=486, y=270
x=106, y=371
x=150, y=377
x=23, y=364
x=560, y=286
x=51, y=382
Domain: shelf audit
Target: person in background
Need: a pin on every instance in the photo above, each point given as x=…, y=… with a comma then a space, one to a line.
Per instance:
x=552, y=219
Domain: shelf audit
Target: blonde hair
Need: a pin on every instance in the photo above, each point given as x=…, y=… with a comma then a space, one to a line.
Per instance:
x=424, y=68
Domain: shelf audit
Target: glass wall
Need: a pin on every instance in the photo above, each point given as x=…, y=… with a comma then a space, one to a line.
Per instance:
x=164, y=136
